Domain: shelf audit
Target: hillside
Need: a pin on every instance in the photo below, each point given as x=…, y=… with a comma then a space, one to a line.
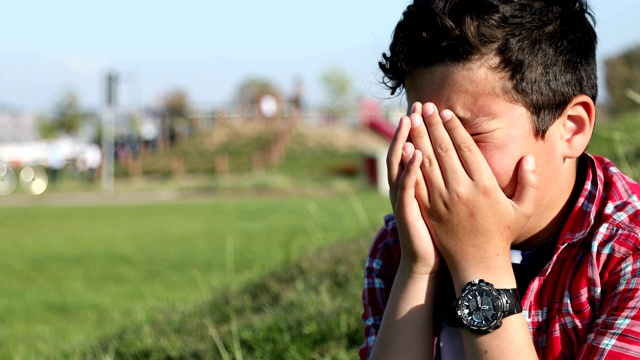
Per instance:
x=258, y=146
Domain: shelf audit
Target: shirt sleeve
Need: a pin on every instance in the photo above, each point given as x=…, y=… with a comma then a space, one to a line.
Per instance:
x=616, y=331
x=380, y=270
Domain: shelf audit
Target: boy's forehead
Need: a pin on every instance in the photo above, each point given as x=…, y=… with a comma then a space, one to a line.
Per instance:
x=447, y=80
x=470, y=90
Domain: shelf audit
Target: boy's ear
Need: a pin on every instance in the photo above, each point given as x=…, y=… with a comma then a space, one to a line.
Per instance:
x=578, y=123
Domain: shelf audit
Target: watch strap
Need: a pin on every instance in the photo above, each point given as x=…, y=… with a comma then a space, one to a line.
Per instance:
x=452, y=317
x=512, y=298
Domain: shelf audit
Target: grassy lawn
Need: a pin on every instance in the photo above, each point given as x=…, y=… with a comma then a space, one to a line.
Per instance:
x=309, y=309
x=71, y=274
x=619, y=140
x=226, y=277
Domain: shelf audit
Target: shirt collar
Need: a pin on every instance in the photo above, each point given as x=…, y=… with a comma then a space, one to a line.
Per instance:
x=586, y=207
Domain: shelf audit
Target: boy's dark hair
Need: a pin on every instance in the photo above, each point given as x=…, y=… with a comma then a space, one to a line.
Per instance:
x=545, y=48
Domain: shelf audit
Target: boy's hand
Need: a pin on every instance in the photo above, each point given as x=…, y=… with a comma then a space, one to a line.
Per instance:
x=405, y=184
x=472, y=221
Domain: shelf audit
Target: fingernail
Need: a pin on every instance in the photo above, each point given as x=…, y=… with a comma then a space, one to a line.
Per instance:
x=530, y=163
x=415, y=120
x=406, y=149
x=446, y=115
x=429, y=109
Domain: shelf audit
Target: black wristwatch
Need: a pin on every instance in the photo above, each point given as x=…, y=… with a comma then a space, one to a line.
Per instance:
x=481, y=307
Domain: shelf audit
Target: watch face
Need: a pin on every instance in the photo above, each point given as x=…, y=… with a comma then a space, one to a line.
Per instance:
x=479, y=308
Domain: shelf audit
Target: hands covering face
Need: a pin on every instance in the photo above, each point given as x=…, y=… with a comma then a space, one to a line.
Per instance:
x=444, y=193
x=406, y=185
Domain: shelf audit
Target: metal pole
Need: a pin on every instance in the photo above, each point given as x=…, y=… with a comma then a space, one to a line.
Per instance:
x=108, y=129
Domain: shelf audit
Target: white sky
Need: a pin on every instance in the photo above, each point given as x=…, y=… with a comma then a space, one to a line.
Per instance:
x=208, y=47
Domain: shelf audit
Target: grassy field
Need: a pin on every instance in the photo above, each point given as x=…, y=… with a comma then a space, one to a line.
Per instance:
x=228, y=276
x=73, y=274
x=307, y=310
x=619, y=140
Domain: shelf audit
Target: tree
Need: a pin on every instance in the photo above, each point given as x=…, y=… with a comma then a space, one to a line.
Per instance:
x=67, y=118
x=339, y=91
x=175, y=116
x=176, y=104
x=256, y=91
x=623, y=80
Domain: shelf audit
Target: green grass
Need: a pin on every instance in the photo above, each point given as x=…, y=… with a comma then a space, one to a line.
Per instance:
x=72, y=274
x=619, y=140
x=225, y=278
x=308, y=310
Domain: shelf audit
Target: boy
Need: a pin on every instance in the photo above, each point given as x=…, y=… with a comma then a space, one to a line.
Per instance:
x=515, y=243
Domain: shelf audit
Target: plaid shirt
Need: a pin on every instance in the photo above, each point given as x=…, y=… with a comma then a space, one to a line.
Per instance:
x=585, y=303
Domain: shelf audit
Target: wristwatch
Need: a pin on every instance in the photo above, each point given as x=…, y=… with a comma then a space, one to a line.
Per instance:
x=481, y=307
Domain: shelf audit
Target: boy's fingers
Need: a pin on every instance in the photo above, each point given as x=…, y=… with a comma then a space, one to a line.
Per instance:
x=394, y=155
x=420, y=186
x=409, y=176
x=443, y=147
x=467, y=151
x=421, y=140
x=416, y=108
x=394, y=158
x=407, y=152
x=527, y=189
x=407, y=155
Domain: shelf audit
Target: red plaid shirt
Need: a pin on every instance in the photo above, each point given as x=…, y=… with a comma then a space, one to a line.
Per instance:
x=585, y=303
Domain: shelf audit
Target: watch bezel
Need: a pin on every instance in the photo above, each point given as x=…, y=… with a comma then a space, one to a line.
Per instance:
x=464, y=310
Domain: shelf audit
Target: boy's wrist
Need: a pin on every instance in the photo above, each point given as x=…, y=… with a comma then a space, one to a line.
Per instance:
x=418, y=271
x=496, y=269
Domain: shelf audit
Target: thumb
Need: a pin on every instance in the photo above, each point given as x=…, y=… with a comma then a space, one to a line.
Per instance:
x=527, y=189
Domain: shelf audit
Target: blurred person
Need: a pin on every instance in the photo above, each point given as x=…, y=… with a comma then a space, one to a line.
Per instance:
x=89, y=161
x=508, y=240
x=57, y=162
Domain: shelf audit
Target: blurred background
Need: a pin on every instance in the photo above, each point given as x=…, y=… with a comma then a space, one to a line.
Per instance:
x=202, y=179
